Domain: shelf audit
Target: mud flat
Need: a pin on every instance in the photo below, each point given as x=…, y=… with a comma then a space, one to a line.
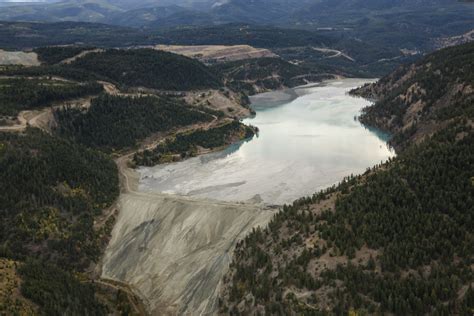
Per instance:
x=174, y=250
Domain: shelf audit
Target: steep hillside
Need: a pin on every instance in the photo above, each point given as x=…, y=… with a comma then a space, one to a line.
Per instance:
x=419, y=99
x=149, y=68
x=116, y=122
x=264, y=74
x=129, y=68
x=18, y=94
x=397, y=239
x=52, y=192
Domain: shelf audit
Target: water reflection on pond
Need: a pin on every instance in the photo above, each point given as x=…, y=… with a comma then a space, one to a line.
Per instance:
x=309, y=139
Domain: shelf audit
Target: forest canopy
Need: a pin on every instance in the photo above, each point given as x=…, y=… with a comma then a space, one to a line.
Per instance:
x=116, y=122
x=149, y=68
x=18, y=94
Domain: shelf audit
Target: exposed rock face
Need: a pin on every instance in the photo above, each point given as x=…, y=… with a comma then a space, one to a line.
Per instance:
x=174, y=250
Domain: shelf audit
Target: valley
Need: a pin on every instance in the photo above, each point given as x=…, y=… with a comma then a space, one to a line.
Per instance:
x=179, y=223
x=236, y=157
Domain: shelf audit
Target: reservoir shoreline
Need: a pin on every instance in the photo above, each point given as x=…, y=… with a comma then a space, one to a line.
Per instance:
x=174, y=248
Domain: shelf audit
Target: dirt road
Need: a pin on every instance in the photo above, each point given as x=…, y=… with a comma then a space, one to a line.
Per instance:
x=336, y=53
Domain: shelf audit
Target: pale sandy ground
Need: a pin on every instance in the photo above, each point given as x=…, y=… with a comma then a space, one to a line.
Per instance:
x=18, y=58
x=217, y=53
x=175, y=250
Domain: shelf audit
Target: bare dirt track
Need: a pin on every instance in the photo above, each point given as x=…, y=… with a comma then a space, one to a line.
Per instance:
x=336, y=53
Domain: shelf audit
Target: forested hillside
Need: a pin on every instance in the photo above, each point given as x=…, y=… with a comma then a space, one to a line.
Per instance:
x=397, y=239
x=185, y=145
x=52, y=191
x=18, y=94
x=115, y=122
x=24, y=35
x=150, y=69
x=257, y=75
x=54, y=54
x=127, y=68
x=414, y=101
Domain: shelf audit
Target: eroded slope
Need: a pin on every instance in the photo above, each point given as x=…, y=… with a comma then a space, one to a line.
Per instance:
x=175, y=250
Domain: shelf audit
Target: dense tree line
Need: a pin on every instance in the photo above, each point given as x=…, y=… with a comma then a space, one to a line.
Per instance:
x=23, y=94
x=58, y=292
x=52, y=190
x=118, y=122
x=54, y=54
x=185, y=144
x=150, y=69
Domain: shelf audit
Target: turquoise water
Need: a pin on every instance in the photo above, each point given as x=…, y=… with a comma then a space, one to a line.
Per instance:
x=309, y=139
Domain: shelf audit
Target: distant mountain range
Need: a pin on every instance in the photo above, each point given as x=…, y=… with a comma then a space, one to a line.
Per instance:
x=192, y=12
x=395, y=24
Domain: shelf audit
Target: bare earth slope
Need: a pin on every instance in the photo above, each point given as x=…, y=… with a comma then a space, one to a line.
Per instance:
x=174, y=250
x=217, y=53
x=18, y=58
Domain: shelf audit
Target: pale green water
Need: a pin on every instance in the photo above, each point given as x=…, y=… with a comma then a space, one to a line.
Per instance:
x=305, y=144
